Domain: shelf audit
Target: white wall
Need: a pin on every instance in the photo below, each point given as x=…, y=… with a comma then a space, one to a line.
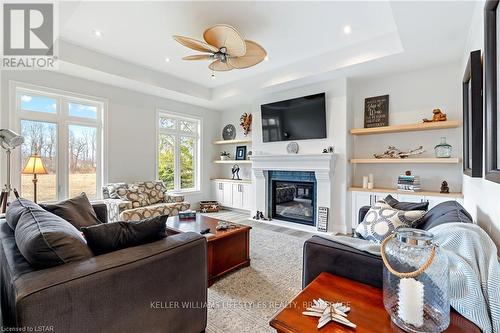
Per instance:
x=131, y=125
x=338, y=121
x=412, y=97
x=482, y=197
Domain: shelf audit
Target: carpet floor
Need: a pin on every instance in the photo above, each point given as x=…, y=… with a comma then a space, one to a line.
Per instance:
x=247, y=299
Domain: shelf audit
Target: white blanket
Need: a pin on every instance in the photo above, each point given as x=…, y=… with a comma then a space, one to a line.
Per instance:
x=474, y=273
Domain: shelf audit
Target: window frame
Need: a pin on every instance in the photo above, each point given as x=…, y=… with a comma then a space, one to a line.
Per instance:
x=177, y=133
x=63, y=121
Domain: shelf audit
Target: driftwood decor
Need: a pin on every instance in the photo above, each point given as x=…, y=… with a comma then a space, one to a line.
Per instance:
x=393, y=152
x=246, y=123
x=328, y=311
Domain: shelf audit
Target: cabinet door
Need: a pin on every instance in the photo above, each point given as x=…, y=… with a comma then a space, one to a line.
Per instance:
x=247, y=196
x=360, y=199
x=219, y=192
x=237, y=196
x=227, y=188
x=434, y=201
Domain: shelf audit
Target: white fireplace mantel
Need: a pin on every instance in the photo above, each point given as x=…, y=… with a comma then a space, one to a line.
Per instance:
x=321, y=164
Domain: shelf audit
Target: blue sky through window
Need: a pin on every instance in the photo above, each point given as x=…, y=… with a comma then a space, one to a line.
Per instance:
x=82, y=111
x=38, y=104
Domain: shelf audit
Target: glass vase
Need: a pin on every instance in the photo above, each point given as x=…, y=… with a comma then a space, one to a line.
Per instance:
x=443, y=150
x=415, y=281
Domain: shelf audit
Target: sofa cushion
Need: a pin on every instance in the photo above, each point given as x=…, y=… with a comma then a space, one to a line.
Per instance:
x=114, y=236
x=155, y=190
x=158, y=209
x=136, y=194
x=78, y=211
x=394, y=203
x=45, y=239
x=445, y=212
x=115, y=190
x=16, y=209
x=382, y=220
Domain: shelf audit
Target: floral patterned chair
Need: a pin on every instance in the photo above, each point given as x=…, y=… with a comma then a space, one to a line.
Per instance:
x=141, y=200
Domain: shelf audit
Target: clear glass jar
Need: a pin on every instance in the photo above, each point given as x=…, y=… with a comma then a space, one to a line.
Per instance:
x=409, y=251
x=443, y=150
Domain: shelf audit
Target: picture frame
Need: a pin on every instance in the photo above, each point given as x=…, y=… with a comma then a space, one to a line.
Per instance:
x=492, y=127
x=241, y=153
x=472, y=99
x=376, y=111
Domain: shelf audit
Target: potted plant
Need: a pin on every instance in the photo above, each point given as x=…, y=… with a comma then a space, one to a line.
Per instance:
x=224, y=156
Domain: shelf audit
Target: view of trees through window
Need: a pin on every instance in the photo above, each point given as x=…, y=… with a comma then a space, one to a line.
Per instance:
x=43, y=125
x=177, y=149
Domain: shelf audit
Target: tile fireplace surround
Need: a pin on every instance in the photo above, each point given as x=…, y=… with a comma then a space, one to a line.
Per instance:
x=321, y=164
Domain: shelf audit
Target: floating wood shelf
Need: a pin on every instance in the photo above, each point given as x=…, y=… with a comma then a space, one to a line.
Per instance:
x=392, y=190
x=229, y=180
x=233, y=162
x=232, y=142
x=409, y=160
x=407, y=128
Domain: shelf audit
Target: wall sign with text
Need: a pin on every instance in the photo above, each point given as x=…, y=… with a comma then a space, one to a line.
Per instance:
x=377, y=111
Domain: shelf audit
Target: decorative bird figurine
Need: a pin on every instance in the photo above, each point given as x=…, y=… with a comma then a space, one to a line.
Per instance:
x=327, y=312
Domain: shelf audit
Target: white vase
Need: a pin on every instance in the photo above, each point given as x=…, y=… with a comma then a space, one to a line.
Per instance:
x=224, y=158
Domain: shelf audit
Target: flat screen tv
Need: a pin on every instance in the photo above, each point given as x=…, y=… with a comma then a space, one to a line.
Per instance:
x=300, y=118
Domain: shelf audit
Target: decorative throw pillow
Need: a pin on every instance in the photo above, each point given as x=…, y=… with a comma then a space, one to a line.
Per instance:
x=114, y=236
x=382, y=220
x=137, y=195
x=155, y=191
x=394, y=203
x=45, y=239
x=116, y=190
x=78, y=211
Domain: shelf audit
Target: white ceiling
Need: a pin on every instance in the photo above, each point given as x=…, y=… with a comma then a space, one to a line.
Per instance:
x=303, y=39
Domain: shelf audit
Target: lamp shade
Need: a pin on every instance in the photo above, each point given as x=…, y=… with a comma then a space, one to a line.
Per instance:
x=34, y=166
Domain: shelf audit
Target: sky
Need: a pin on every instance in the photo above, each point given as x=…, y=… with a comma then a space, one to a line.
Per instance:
x=47, y=104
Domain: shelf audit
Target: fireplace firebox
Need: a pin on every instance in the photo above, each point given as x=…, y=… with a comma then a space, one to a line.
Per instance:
x=293, y=196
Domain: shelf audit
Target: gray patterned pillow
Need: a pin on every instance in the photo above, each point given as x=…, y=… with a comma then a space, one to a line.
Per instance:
x=116, y=190
x=155, y=191
x=137, y=195
x=382, y=220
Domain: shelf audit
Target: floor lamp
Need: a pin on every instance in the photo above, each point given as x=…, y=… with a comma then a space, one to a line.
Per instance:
x=34, y=167
x=9, y=140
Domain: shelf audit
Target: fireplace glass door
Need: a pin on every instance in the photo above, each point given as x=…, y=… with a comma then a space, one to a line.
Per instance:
x=293, y=201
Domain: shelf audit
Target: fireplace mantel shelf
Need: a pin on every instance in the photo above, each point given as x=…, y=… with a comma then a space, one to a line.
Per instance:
x=281, y=157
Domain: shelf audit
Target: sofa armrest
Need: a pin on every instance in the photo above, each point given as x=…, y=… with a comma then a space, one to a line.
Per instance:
x=101, y=210
x=362, y=213
x=323, y=255
x=164, y=283
x=171, y=198
x=115, y=207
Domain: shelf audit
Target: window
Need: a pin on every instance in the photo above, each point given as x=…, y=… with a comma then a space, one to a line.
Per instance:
x=67, y=132
x=178, y=152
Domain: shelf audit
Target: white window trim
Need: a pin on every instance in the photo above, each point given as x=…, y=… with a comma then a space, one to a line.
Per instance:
x=197, y=157
x=61, y=118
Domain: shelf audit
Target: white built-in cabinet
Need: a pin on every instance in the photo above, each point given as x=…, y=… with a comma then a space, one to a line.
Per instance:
x=363, y=198
x=234, y=194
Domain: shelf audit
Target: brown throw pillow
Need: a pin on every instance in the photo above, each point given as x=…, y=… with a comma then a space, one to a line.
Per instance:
x=108, y=237
x=46, y=240
x=78, y=211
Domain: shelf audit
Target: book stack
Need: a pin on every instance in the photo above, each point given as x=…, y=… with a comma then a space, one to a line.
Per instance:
x=409, y=183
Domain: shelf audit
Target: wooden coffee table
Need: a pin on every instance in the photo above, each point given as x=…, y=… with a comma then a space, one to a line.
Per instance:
x=228, y=250
x=367, y=309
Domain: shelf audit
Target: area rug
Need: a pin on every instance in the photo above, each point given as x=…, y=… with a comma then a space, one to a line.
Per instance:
x=246, y=300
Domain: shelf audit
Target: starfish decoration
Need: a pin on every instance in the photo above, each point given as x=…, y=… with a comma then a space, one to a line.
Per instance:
x=204, y=210
x=327, y=311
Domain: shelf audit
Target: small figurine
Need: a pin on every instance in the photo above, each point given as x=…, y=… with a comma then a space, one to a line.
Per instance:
x=444, y=187
x=437, y=115
x=408, y=173
x=236, y=171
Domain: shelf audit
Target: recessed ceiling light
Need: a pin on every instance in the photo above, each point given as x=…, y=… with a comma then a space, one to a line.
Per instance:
x=97, y=33
x=266, y=58
x=347, y=29
x=167, y=59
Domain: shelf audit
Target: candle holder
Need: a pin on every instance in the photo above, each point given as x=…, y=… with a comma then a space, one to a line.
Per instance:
x=415, y=281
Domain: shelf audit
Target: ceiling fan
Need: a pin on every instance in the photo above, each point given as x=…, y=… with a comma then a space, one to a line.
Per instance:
x=226, y=48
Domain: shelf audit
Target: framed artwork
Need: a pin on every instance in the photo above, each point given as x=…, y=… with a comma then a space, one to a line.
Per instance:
x=472, y=85
x=492, y=119
x=377, y=111
x=241, y=153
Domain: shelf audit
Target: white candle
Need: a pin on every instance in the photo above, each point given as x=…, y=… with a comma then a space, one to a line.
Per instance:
x=370, y=186
x=411, y=301
x=365, y=182
x=370, y=178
